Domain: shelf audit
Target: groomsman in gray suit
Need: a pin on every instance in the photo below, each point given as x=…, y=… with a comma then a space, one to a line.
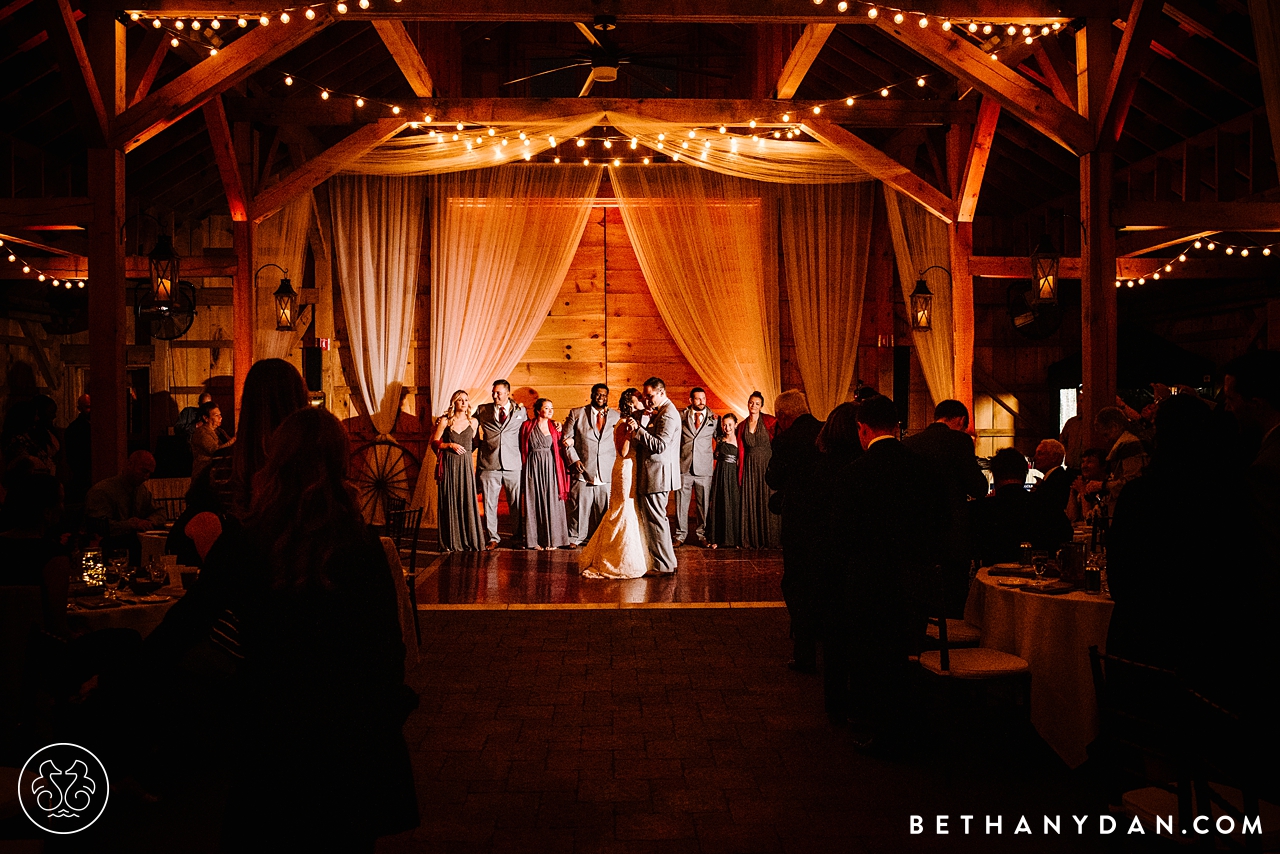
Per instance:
x=658, y=457
x=498, y=461
x=587, y=437
x=697, y=458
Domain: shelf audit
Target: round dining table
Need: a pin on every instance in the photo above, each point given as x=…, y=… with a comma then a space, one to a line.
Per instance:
x=142, y=613
x=1052, y=633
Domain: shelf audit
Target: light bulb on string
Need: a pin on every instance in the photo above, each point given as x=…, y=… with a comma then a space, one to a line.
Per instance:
x=848, y=102
x=527, y=142
x=817, y=110
x=455, y=137
x=26, y=268
x=395, y=111
x=617, y=162
x=178, y=24
x=751, y=123
x=986, y=30
x=684, y=144
x=264, y=21
x=842, y=6
x=288, y=81
x=586, y=161
x=359, y=102
x=1026, y=31
x=946, y=26
x=1168, y=268
x=1013, y=31
x=244, y=23
x=994, y=57
x=215, y=24
x=134, y=16
x=693, y=135
x=924, y=22
x=873, y=13
x=1057, y=26
x=556, y=160
x=1028, y=40
x=722, y=127
x=1141, y=280
x=1044, y=31
x=460, y=126
x=1155, y=276
x=973, y=28
x=884, y=93
x=551, y=139
x=645, y=161
x=1266, y=250
x=528, y=155
x=311, y=14
x=284, y=17
x=1182, y=258
x=342, y=8
x=1196, y=244
x=364, y=4
x=608, y=143
x=80, y=284
x=1212, y=246
x=156, y=23
x=213, y=51
x=581, y=142
x=173, y=42
x=195, y=25
x=898, y=18
x=427, y=118
x=324, y=94
x=40, y=278
x=920, y=82
x=12, y=257
x=635, y=141
x=522, y=134
x=1230, y=250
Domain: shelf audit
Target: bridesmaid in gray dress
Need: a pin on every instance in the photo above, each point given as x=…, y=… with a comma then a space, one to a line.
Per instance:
x=452, y=441
x=760, y=526
x=545, y=482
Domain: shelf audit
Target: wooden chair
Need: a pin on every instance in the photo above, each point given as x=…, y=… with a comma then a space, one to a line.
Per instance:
x=173, y=507
x=1224, y=752
x=404, y=527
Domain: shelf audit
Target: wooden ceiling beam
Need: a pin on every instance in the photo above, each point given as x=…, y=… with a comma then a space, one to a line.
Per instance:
x=247, y=54
x=480, y=111
x=1131, y=60
x=138, y=266
x=77, y=74
x=1138, y=242
x=407, y=56
x=882, y=167
x=145, y=64
x=1015, y=267
x=1018, y=95
x=1220, y=216
x=1057, y=71
x=1265, y=15
x=224, y=154
x=321, y=167
x=975, y=165
x=26, y=213
x=802, y=56
x=32, y=243
x=1036, y=12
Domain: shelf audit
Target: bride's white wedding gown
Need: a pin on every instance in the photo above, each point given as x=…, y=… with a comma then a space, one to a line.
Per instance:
x=617, y=549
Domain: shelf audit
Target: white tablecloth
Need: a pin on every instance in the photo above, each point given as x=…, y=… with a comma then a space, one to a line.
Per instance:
x=1053, y=634
x=404, y=608
x=142, y=618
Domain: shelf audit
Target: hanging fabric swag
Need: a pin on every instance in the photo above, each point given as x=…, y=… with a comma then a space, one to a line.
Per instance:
x=280, y=239
x=377, y=240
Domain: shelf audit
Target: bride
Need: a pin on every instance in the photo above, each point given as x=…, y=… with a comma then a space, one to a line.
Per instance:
x=617, y=548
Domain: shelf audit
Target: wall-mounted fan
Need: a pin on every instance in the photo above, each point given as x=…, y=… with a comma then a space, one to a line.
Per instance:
x=1036, y=321
x=607, y=60
x=169, y=321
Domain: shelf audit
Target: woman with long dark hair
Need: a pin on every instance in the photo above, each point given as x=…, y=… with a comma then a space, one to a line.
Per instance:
x=323, y=671
x=760, y=527
x=273, y=390
x=545, y=483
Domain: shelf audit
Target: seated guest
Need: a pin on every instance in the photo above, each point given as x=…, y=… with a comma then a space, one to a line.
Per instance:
x=1055, y=484
x=544, y=484
x=1089, y=487
x=724, y=508
x=121, y=507
x=205, y=441
x=30, y=556
x=1008, y=517
x=322, y=680
x=195, y=531
x=1126, y=458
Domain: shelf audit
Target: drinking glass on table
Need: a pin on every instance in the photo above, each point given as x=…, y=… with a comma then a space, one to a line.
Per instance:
x=117, y=567
x=1039, y=563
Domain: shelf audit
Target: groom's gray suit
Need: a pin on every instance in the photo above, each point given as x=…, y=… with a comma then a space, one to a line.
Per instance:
x=658, y=449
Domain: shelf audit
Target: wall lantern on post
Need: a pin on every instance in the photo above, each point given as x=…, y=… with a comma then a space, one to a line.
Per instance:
x=164, y=270
x=1044, y=273
x=286, y=299
x=922, y=301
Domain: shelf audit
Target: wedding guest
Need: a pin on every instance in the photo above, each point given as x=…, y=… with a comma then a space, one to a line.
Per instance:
x=760, y=527
x=1089, y=487
x=724, y=508
x=544, y=483
x=1055, y=484
x=453, y=441
x=1009, y=516
x=204, y=437
x=1126, y=458
x=30, y=555
x=498, y=464
x=697, y=461
x=273, y=390
x=790, y=473
x=1252, y=393
x=1073, y=436
x=321, y=686
x=201, y=523
x=590, y=450
x=78, y=445
x=121, y=507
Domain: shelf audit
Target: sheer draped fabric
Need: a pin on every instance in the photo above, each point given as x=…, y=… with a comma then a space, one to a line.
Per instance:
x=377, y=240
x=826, y=230
x=920, y=241
x=280, y=239
x=707, y=245
x=502, y=241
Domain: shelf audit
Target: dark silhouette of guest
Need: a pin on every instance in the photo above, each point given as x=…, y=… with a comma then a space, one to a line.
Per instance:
x=78, y=449
x=120, y=507
x=790, y=474
x=761, y=528
x=1252, y=393
x=1054, y=487
x=273, y=390
x=1009, y=516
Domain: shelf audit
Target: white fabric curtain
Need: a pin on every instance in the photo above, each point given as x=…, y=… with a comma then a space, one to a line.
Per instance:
x=377, y=240
x=825, y=233
x=920, y=241
x=280, y=239
x=707, y=245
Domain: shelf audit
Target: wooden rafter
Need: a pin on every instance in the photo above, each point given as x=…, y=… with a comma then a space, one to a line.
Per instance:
x=27, y=213
x=1130, y=62
x=407, y=56
x=145, y=65
x=137, y=266
x=322, y=166
x=21, y=240
x=77, y=74
x=1056, y=71
x=1224, y=216
x=976, y=161
x=1138, y=242
x=1015, y=267
x=801, y=59
x=189, y=92
x=1018, y=95
x=224, y=153
x=882, y=167
x=1265, y=15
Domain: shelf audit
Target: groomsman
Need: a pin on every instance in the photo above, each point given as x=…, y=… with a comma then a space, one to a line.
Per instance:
x=498, y=461
x=587, y=438
x=697, y=458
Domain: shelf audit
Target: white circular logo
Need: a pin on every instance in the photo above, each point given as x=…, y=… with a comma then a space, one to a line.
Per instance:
x=63, y=788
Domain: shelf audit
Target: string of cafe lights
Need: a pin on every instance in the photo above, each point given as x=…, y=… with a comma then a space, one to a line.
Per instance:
x=1233, y=249
x=10, y=254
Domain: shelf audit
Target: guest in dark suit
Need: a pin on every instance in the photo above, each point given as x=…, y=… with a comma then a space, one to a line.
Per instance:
x=888, y=507
x=1054, y=488
x=1009, y=516
x=948, y=451
x=790, y=475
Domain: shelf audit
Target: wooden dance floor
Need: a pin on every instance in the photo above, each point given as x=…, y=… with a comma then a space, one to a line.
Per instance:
x=510, y=578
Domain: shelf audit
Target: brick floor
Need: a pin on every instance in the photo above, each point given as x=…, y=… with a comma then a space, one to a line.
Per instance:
x=675, y=731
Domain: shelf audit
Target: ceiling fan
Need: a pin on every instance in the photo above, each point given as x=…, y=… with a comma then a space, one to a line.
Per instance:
x=607, y=60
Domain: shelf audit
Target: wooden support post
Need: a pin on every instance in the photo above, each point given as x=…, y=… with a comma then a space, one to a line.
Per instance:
x=243, y=302
x=961, y=139
x=1265, y=17
x=108, y=384
x=1098, y=252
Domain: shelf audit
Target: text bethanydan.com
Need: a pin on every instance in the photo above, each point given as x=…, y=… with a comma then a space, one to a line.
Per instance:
x=1080, y=825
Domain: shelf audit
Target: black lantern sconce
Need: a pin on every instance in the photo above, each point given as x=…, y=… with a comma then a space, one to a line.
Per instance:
x=922, y=301
x=1044, y=273
x=286, y=299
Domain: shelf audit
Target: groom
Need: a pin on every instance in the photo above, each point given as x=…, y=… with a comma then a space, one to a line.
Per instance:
x=658, y=452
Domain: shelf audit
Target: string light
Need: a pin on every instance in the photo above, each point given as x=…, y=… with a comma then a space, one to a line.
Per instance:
x=873, y=13
x=288, y=81
x=898, y=18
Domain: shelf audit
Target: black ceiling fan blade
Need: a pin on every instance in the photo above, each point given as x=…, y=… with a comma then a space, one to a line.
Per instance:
x=643, y=78
x=664, y=67
x=550, y=71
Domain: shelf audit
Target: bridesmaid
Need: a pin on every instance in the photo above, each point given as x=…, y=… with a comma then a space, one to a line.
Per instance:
x=544, y=481
x=452, y=441
x=724, y=514
x=760, y=528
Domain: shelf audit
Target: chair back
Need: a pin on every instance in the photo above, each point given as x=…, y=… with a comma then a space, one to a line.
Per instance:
x=173, y=507
x=937, y=616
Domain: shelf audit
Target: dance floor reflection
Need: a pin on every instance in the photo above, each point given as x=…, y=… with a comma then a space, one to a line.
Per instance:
x=517, y=577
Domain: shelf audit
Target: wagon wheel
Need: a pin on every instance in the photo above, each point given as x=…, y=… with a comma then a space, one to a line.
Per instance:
x=380, y=471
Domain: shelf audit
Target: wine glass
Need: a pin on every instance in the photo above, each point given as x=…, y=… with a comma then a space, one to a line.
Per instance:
x=1039, y=563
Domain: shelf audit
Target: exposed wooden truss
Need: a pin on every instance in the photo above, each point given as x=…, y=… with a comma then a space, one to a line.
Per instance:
x=975, y=164
x=407, y=56
x=802, y=57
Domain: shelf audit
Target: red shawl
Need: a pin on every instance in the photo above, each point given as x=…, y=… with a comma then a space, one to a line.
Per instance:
x=562, y=476
x=768, y=421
